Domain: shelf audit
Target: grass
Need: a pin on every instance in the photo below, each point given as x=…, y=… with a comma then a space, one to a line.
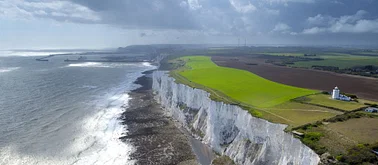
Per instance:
x=368, y=53
x=239, y=85
x=349, y=137
x=261, y=97
x=341, y=63
x=285, y=54
x=325, y=100
x=297, y=114
x=341, y=60
x=338, y=137
x=223, y=160
x=335, y=143
x=361, y=130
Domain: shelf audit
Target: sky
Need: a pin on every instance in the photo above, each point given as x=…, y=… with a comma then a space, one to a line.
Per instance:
x=96, y=24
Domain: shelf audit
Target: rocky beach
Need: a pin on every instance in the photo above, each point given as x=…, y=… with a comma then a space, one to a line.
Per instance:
x=155, y=136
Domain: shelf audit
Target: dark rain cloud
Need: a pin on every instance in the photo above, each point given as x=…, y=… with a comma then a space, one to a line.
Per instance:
x=142, y=14
x=294, y=20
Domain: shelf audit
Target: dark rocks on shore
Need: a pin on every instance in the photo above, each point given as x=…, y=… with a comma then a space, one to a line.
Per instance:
x=154, y=135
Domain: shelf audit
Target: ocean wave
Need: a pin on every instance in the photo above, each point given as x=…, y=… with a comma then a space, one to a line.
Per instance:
x=32, y=53
x=89, y=86
x=97, y=143
x=10, y=69
x=103, y=65
x=101, y=144
x=147, y=64
x=95, y=137
x=89, y=64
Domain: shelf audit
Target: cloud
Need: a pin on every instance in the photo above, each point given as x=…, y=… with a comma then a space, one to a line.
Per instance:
x=320, y=20
x=283, y=29
x=222, y=16
x=157, y=20
x=272, y=11
x=337, y=2
x=313, y=30
x=280, y=27
x=146, y=14
x=142, y=34
x=288, y=1
x=57, y=10
x=361, y=26
x=194, y=4
x=344, y=24
x=242, y=6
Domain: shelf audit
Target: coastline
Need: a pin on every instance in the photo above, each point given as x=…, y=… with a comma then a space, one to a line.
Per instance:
x=154, y=135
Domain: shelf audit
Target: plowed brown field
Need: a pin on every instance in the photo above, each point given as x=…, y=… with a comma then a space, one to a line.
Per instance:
x=363, y=87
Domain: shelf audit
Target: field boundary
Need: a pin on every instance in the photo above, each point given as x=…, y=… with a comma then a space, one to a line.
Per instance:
x=225, y=99
x=328, y=107
x=267, y=113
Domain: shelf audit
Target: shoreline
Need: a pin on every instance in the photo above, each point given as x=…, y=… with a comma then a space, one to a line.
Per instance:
x=154, y=135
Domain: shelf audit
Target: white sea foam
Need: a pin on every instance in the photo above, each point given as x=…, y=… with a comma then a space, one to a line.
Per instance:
x=105, y=65
x=89, y=64
x=89, y=86
x=32, y=53
x=147, y=64
x=3, y=70
x=95, y=138
x=97, y=143
x=101, y=144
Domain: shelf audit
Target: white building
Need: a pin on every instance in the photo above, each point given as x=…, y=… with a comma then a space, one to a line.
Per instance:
x=372, y=110
x=336, y=93
x=337, y=96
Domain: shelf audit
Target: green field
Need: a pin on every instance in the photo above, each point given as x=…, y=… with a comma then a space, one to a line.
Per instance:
x=338, y=137
x=375, y=53
x=326, y=100
x=361, y=130
x=342, y=63
x=328, y=125
x=296, y=114
x=239, y=85
x=285, y=54
x=262, y=98
x=341, y=60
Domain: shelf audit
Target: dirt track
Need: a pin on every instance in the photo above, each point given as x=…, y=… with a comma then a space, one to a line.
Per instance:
x=366, y=88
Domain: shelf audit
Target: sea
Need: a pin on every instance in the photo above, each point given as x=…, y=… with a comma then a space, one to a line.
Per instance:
x=59, y=113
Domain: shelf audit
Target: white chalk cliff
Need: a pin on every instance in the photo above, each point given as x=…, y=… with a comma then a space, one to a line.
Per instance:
x=228, y=129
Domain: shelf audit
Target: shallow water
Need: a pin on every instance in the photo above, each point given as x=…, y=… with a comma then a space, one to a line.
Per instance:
x=60, y=113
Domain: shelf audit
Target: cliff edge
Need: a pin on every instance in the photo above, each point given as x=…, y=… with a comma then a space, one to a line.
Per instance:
x=228, y=129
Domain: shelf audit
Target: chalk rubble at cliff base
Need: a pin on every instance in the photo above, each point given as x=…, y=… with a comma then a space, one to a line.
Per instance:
x=228, y=129
x=152, y=133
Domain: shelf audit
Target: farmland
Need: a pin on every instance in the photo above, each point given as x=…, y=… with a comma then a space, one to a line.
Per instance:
x=263, y=98
x=341, y=60
x=296, y=114
x=325, y=100
x=290, y=95
x=341, y=63
x=304, y=78
x=360, y=130
x=350, y=139
x=240, y=85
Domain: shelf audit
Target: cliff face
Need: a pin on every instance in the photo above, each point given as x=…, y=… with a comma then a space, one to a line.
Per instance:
x=228, y=129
